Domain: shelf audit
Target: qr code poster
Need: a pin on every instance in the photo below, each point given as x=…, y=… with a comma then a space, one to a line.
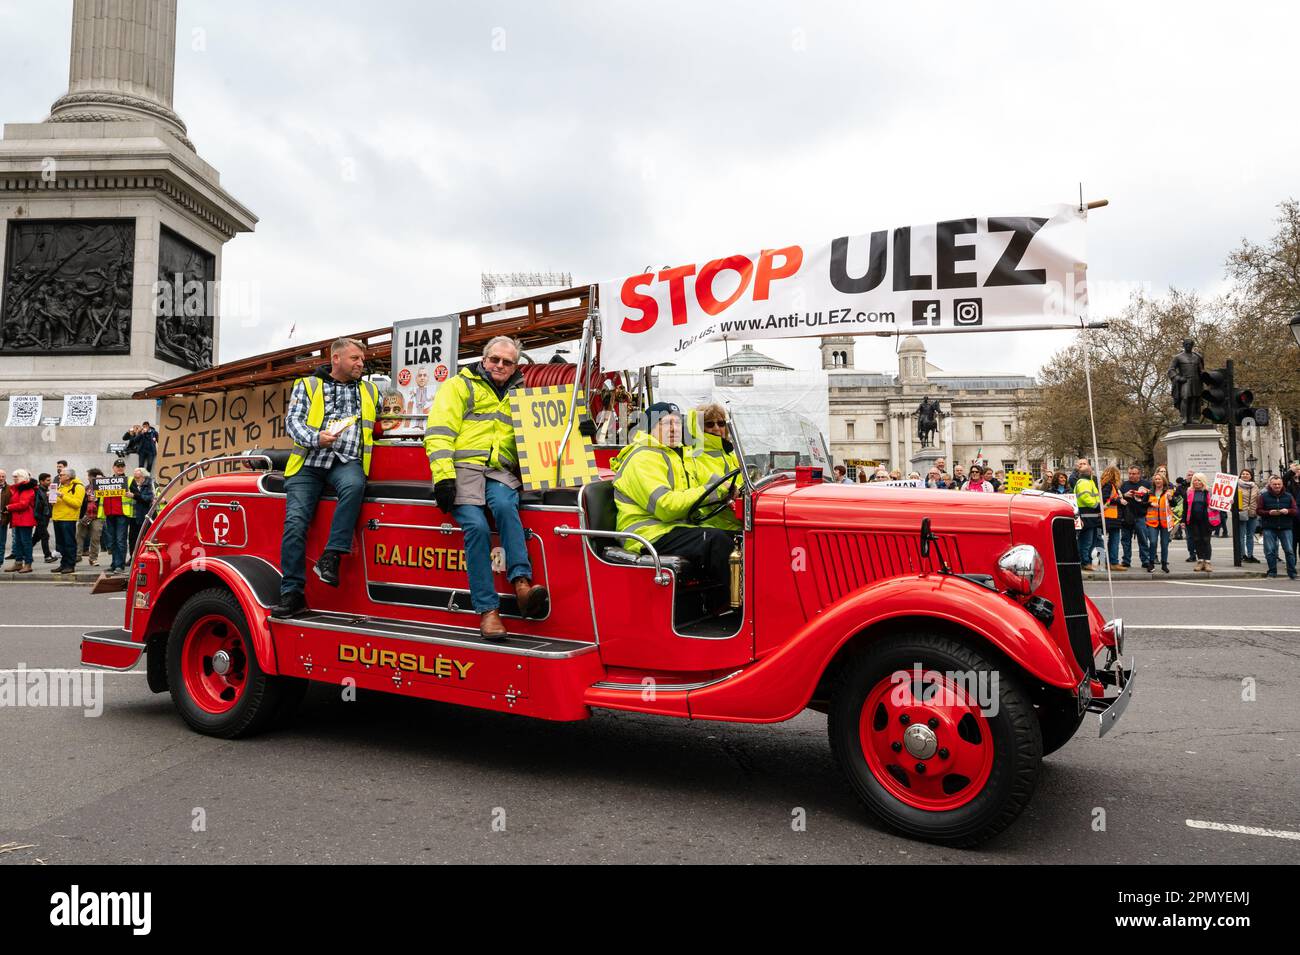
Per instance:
x=79, y=410
x=24, y=411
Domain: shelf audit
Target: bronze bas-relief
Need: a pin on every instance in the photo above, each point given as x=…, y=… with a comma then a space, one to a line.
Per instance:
x=67, y=287
x=184, y=310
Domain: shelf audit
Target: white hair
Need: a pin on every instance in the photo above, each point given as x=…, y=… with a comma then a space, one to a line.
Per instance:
x=21, y=476
x=141, y=471
x=506, y=340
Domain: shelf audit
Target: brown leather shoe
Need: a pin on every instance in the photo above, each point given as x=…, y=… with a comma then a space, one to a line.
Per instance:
x=491, y=627
x=534, y=601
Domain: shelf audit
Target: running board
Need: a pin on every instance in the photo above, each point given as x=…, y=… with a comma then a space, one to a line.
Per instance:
x=516, y=643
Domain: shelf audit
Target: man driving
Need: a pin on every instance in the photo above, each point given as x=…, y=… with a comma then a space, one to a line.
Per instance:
x=712, y=454
x=657, y=489
x=470, y=440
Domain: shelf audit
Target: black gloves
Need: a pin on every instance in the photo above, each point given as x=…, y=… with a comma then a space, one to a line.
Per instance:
x=587, y=428
x=444, y=492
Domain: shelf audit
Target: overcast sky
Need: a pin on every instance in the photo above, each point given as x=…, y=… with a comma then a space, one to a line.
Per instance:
x=394, y=150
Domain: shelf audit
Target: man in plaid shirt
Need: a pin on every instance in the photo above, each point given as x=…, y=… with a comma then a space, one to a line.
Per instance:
x=331, y=418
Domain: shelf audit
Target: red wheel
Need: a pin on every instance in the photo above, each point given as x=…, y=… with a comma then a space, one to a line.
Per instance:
x=929, y=745
x=216, y=683
x=214, y=663
x=937, y=739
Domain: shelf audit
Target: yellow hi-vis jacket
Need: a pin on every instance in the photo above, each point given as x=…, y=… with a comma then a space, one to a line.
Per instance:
x=316, y=418
x=68, y=505
x=469, y=425
x=655, y=490
x=709, y=459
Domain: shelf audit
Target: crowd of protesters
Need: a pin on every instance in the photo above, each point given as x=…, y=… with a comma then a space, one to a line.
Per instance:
x=1118, y=508
x=72, y=517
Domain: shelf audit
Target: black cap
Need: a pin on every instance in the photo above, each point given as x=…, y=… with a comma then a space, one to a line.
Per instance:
x=650, y=417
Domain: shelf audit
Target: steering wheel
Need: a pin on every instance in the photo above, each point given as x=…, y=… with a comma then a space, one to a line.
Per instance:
x=694, y=515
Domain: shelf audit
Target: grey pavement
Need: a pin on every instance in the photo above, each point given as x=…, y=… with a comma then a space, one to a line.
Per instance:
x=389, y=780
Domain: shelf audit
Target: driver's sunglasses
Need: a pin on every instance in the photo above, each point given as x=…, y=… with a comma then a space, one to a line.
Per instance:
x=716, y=423
x=497, y=360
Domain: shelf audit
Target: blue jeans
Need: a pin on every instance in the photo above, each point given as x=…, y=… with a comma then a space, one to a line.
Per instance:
x=1248, y=536
x=1089, y=538
x=65, y=536
x=115, y=526
x=1271, y=537
x=1159, y=538
x=1144, y=544
x=302, y=494
x=23, y=545
x=504, y=503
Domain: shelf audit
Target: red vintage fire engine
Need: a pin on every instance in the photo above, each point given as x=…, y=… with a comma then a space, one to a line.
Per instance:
x=946, y=636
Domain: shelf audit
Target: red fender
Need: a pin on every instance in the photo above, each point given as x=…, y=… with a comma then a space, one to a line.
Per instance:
x=254, y=613
x=780, y=685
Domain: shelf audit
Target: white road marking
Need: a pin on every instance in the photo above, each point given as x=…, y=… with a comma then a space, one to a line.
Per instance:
x=1244, y=830
x=1253, y=590
x=1184, y=596
x=50, y=626
x=1208, y=626
x=66, y=670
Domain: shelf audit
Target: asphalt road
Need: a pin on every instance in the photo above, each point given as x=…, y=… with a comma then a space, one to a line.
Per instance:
x=387, y=780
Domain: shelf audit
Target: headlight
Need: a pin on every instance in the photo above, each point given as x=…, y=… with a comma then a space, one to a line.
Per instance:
x=1020, y=570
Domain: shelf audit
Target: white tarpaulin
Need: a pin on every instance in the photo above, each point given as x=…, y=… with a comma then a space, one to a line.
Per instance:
x=781, y=411
x=975, y=273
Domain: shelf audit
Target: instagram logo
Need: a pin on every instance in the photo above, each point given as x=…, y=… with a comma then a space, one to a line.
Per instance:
x=968, y=311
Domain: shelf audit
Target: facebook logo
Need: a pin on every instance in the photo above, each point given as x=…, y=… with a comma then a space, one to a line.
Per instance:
x=925, y=312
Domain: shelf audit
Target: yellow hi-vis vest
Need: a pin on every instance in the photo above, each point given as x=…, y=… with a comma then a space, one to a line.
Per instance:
x=128, y=508
x=469, y=424
x=707, y=457
x=655, y=490
x=316, y=418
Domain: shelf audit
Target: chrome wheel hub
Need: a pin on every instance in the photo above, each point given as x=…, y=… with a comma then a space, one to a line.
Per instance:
x=221, y=662
x=920, y=741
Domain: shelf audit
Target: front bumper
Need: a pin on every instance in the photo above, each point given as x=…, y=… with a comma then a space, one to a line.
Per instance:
x=1110, y=674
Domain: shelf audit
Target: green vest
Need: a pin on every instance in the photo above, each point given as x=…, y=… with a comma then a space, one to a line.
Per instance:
x=316, y=418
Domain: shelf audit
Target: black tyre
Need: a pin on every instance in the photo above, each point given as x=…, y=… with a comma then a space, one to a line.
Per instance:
x=212, y=672
x=923, y=755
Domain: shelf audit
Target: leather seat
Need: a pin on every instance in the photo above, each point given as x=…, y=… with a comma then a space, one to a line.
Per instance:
x=601, y=514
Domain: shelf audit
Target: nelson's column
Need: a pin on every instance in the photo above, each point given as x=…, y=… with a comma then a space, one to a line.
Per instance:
x=98, y=203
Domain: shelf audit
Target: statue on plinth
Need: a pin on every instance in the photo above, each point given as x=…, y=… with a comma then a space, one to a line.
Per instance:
x=927, y=421
x=1185, y=375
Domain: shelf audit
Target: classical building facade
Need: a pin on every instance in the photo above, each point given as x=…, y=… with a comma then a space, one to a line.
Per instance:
x=873, y=415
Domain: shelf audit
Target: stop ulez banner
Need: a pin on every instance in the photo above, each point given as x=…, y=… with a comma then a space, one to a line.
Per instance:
x=971, y=274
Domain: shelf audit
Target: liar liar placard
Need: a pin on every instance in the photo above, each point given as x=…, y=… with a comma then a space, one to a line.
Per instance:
x=540, y=417
x=1223, y=492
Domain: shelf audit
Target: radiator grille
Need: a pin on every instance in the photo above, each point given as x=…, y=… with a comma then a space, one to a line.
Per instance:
x=844, y=561
x=1074, y=610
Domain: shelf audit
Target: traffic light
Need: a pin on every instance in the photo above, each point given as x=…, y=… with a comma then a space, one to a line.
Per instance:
x=1216, y=395
x=1241, y=407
